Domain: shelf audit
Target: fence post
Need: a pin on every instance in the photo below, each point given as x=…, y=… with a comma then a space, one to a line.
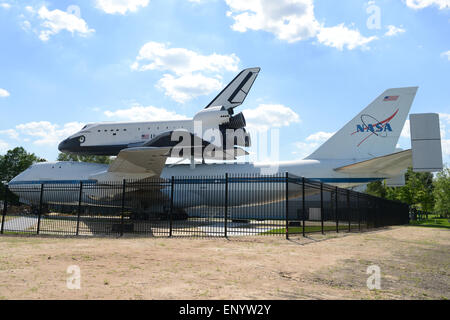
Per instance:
x=336, y=215
x=226, y=206
x=40, y=209
x=5, y=208
x=287, y=205
x=123, y=207
x=358, y=209
x=375, y=216
x=172, y=188
x=349, y=211
x=79, y=207
x=303, y=205
x=321, y=206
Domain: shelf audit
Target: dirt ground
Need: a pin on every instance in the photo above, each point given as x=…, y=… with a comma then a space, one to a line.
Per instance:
x=414, y=264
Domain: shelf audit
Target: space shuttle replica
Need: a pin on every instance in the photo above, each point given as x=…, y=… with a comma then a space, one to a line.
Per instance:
x=214, y=132
x=362, y=151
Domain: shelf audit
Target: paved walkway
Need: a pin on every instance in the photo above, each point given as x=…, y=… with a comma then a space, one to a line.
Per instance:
x=20, y=223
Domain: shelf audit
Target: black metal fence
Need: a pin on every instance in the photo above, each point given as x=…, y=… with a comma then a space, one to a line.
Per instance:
x=221, y=206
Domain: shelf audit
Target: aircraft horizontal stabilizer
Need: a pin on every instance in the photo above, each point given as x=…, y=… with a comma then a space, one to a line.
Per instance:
x=389, y=165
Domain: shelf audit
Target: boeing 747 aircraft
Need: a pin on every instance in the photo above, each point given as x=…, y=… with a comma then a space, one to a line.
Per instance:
x=364, y=150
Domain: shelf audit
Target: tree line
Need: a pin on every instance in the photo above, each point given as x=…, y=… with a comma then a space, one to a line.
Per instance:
x=421, y=191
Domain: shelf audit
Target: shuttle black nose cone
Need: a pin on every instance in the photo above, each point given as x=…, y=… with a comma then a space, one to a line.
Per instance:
x=69, y=145
x=62, y=146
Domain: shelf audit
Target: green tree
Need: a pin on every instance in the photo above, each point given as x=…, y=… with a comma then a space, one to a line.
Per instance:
x=91, y=159
x=442, y=193
x=16, y=161
x=377, y=189
x=12, y=163
x=417, y=191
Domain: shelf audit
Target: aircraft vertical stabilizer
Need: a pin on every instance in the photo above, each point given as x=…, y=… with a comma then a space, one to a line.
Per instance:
x=374, y=132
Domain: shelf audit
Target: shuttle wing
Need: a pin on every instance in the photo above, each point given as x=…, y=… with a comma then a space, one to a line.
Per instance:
x=143, y=160
x=236, y=91
x=389, y=165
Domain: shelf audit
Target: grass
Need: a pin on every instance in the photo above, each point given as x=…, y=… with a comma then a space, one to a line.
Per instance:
x=432, y=223
x=294, y=230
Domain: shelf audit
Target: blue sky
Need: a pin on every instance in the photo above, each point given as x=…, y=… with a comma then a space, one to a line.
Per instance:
x=67, y=63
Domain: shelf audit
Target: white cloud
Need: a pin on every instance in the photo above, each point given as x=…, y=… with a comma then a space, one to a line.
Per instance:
x=157, y=56
x=311, y=143
x=420, y=4
x=4, y=93
x=5, y=5
x=445, y=135
x=195, y=74
x=320, y=136
x=267, y=116
x=26, y=25
x=44, y=133
x=304, y=149
x=13, y=134
x=4, y=147
x=142, y=113
x=445, y=143
x=189, y=86
x=393, y=30
x=341, y=37
x=446, y=55
x=57, y=20
x=121, y=6
x=291, y=21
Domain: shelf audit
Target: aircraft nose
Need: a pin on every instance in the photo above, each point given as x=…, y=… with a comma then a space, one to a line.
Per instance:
x=62, y=145
x=69, y=145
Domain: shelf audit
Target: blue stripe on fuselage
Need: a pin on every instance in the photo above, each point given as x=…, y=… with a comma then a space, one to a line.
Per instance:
x=53, y=182
x=194, y=180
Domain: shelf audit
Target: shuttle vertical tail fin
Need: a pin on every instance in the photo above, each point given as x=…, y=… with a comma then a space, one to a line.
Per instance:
x=374, y=131
x=236, y=91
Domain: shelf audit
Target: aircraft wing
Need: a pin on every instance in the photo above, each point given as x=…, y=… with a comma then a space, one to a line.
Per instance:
x=236, y=91
x=390, y=165
x=142, y=160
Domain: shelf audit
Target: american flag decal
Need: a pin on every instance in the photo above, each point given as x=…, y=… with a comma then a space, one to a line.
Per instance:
x=390, y=98
x=144, y=136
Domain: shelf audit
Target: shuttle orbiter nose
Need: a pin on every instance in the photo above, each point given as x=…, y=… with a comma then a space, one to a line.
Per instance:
x=69, y=145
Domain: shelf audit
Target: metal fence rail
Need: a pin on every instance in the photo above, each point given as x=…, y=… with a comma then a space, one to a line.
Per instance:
x=220, y=206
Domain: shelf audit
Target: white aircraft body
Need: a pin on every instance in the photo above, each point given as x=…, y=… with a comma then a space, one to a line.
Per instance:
x=364, y=150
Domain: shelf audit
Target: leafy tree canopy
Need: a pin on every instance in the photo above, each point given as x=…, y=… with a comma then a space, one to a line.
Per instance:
x=91, y=159
x=16, y=161
x=442, y=193
x=421, y=191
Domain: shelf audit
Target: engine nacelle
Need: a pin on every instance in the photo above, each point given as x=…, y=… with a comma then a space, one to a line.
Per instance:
x=212, y=117
x=237, y=122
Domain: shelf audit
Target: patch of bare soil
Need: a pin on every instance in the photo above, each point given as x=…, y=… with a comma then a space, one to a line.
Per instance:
x=413, y=261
